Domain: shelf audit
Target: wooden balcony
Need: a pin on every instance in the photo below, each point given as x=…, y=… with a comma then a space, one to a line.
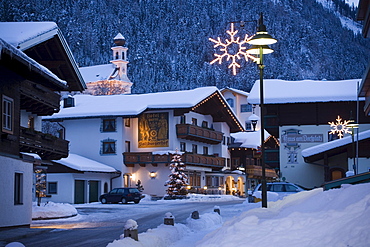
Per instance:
x=146, y=158
x=48, y=147
x=196, y=133
x=38, y=99
x=256, y=172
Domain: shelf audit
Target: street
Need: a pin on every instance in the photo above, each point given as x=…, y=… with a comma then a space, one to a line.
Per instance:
x=98, y=225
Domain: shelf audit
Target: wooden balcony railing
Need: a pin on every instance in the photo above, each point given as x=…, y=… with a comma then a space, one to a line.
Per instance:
x=48, y=147
x=196, y=133
x=130, y=159
x=256, y=172
x=38, y=99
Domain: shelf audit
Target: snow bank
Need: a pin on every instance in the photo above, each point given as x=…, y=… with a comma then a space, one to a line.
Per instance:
x=165, y=235
x=52, y=210
x=336, y=217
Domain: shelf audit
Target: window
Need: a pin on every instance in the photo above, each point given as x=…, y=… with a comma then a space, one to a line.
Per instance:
x=18, y=188
x=108, y=146
x=194, y=149
x=52, y=188
x=194, y=121
x=31, y=122
x=230, y=101
x=246, y=108
x=248, y=126
x=332, y=137
x=105, y=187
x=127, y=146
x=204, y=124
x=182, y=146
x=205, y=150
x=109, y=125
x=182, y=119
x=127, y=122
x=7, y=115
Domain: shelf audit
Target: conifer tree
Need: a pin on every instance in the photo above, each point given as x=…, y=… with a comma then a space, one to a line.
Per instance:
x=178, y=180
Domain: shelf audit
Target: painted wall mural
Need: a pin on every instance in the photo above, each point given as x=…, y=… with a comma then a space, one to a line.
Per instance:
x=292, y=139
x=153, y=130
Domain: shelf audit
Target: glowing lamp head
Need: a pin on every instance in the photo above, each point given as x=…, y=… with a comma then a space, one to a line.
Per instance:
x=255, y=49
x=153, y=175
x=262, y=37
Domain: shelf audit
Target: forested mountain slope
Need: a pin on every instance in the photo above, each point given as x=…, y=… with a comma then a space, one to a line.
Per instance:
x=168, y=40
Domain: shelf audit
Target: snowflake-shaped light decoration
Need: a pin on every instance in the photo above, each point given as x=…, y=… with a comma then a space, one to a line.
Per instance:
x=233, y=49
x=340, y=127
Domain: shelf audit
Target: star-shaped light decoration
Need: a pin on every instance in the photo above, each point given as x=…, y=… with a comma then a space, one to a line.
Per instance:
x=233, y=49
x=339, y=127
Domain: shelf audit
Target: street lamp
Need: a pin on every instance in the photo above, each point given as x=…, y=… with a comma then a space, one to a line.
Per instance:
x=353, y=126
x=254, y=119
x=259, y=47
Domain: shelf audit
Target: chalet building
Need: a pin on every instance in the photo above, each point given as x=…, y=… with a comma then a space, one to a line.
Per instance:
x=299, y=112
x=138, y=135
x=244, y=146
x=36, y=64
x=246, y=156
x=238, y=101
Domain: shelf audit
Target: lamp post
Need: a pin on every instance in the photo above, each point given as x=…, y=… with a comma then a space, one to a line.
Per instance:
x=260, y=44
x=353, y=126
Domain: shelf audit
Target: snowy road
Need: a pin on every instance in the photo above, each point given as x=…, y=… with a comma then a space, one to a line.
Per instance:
x=98, y=225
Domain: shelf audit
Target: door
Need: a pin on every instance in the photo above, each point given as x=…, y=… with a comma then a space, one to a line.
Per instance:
x=79, y=191
x=93, y=191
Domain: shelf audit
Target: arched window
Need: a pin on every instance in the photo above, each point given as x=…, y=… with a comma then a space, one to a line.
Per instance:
x=116, y=55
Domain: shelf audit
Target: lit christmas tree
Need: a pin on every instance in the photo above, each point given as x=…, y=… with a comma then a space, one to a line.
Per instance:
x=178, y=179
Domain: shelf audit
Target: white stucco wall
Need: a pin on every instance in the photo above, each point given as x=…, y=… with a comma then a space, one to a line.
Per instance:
x=311, y=175
x=15, y=215
x=86, y=140
x=66, y=185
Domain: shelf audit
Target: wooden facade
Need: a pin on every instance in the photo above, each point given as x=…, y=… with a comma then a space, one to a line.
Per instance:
x=317, y=113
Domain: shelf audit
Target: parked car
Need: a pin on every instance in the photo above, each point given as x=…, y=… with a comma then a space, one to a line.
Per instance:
x=123, y=195
x=281, y=189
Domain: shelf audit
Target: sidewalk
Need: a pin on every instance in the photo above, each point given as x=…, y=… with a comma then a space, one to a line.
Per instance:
x=9, y=235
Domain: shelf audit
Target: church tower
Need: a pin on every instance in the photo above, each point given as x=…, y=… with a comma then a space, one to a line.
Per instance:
x=119, y=59
x=101, y=80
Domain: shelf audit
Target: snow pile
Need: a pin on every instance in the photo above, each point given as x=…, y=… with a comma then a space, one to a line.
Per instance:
x=166, y=235
x=337, y=217
x=208, y=198
x=50, y=210
x=130, y=225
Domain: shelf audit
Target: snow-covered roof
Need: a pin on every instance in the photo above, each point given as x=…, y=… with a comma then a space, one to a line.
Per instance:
x=97, y=72
x=83, y=164
x=321, y=148
x=283, y=92
x=236, y=91
x=132, y=104
x=26, y=34
x=32, y=64
x=249, y=139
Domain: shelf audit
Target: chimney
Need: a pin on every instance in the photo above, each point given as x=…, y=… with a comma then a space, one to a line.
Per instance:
x=68, y=102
